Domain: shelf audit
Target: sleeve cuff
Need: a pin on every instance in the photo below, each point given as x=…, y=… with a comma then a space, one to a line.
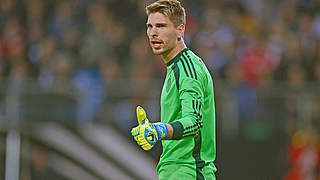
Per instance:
x=177, y=130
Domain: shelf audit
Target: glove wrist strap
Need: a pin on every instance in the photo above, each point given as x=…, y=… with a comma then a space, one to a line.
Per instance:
x=162, y=130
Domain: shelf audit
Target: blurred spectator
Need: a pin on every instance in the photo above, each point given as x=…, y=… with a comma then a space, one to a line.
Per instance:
x=257, y=60
x=97, y=41
x=35, y=33
x=39, y=165
x=7, y=10
x=12, y=40
x=70, y=40
x=111, y=77
x=316, y=100
x=110, y=71
x=3, y=68
x=62, y=18
x=18, y=76
x=42, y=55
x=89, y=92
x=2, y=86
x=304, y=156
x=292, y=55
x=244, y=95
x=316, y=72
x=62, y=73
x=296, y=76
x=35, y=11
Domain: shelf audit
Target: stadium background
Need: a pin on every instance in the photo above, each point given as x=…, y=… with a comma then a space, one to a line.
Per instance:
x=72, y=72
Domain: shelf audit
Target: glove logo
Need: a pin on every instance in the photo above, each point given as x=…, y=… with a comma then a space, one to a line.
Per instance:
x=150, y=137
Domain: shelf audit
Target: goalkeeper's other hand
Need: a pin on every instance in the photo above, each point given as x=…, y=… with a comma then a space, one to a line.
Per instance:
x=147, y=134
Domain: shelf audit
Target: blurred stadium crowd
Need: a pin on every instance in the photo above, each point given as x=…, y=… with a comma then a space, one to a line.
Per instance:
x=91, y=48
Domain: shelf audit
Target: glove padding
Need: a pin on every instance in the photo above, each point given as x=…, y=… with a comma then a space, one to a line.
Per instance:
x=147, y=134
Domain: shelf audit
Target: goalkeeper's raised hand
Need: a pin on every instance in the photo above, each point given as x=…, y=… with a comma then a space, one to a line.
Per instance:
x=147, y=134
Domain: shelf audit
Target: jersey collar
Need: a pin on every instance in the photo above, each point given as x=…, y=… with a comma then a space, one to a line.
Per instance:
x=177, y=57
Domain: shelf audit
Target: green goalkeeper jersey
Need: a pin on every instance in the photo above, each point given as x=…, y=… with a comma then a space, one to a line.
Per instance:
x=187, y=103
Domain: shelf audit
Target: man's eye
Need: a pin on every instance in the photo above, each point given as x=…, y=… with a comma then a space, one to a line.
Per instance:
x=160, y=25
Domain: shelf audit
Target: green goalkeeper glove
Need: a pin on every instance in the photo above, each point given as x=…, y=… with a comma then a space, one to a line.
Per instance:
x=147, y=134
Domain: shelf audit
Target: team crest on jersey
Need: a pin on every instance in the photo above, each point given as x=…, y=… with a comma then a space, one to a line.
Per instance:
x=168, y=86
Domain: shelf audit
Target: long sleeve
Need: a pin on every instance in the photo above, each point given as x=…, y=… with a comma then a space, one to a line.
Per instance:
x=191, y=97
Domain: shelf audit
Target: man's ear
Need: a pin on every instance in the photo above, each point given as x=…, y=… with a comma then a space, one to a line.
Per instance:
x=180, y=31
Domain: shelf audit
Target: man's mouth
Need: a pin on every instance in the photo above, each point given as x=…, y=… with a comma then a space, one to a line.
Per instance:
x=156, y=44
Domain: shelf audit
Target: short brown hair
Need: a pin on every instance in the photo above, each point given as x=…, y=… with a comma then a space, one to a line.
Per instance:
x=170, y=8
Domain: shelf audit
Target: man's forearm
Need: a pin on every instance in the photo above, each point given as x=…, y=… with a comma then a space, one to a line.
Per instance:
x=175, y=130
x=170, y=131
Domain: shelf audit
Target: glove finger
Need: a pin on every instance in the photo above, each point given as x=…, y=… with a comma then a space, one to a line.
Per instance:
x=135, y=138
x=141, y=137
x=135, y=131
x=147, y=147
x=142, y=141
x=141, y=115
x=139, y=143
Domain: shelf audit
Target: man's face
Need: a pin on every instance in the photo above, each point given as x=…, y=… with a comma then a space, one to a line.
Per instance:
x=162, y=33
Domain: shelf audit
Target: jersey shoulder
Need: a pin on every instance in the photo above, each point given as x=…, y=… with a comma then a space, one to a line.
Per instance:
x=190, y=66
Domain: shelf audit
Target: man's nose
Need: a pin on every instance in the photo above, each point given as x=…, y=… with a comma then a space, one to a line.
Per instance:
x=153, y=32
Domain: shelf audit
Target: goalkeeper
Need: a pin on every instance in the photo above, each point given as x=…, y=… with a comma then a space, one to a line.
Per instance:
x=187, y=127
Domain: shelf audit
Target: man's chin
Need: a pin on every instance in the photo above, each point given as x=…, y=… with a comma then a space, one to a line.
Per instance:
x=157, y=51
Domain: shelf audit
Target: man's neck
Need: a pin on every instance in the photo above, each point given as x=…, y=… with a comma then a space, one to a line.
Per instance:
x=175, y=51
